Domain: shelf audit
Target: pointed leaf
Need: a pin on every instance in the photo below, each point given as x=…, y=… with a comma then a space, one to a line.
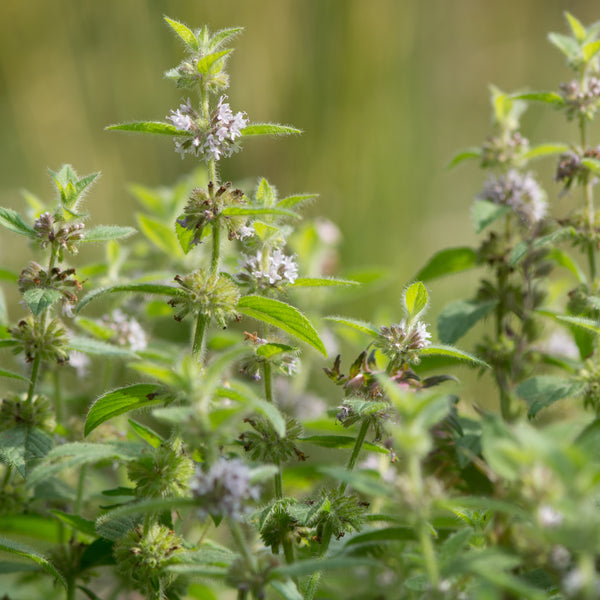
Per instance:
x=361, y=326
x=310, y=566
x=546, y=97
x=577, y=28
x=560, y=257
x=540, y=392
x=324, y=282
x=5, y=373
x=39, y=299
x=248, y=210
x=567, y=45
x=592, y=164
x=160, y=235
x=466, y=154
x=76, y=522
x=146, y=434
x=96, y=347
x=341, y=441
x=269, y=129
x=104, y=233
x=292, y=201
x=522, y=247
x=159, y=289
x=149, y=127
x=13, y=221
x=454, y=353
x=484, y=213
x=19, y=549
x=544, y=150
x=459, y=316
x=583, y=322
x=281, y=315
x=122, y=400
x=224, y=35
x=21, y=444
x=287, y=589
x=415, y=299
x=451, y=260
x=208, y=64
x=590, y=50
x=186, y=34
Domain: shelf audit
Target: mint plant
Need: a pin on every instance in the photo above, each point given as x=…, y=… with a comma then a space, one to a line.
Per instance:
x=161, y=434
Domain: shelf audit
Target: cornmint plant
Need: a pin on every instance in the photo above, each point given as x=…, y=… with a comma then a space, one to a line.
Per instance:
x=161, y=435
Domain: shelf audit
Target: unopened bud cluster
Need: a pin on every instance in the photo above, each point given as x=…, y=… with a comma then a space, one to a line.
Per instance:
x=402, y=341
x=581, y=99
x=65, y=235
x=498, y=151
x=48, y=341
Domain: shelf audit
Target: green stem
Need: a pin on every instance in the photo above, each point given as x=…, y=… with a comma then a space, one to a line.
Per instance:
x=199, y=335
x=240, y=540
x=71, y=589
x=278, y=484
x=58, y=403
x=34, y=375
x=216, y=249
x=267, y=377
x=313, y=584
x=80, y=486
x=358, y=444
x=7, y=475
x=288, y=550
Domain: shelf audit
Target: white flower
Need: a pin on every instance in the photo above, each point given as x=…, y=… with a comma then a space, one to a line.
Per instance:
x=223, y=489
x=80, y=362
x=548, y=516
x=280, y=269
x=181, y=118
x=127, y=330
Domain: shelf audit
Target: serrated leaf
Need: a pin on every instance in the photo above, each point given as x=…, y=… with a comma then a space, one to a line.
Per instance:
x=11, y=375
x=146, y=434
x=160, y=235
x=39, y=299
x=269, y=129
x=208, y=64
x=583, y=322
x=544, y=150
x=149, y=127
x=545, y=97
x=466, y=154
x=544, y=390
x=445, y=262
x=484, y=213
x=24, y=551
x=281, y=315
x=521, y=248
x=76, y=522
x=324, y=282
x=459, y=316
x=232, y=211
x=224, y=35
x=567, y=45
x=186, y=34
x=104, y=233
x=12, y=220
x=561, y=258
x=159, y=289
x=96, y=347
x=21, y=444
x=341, y=441
x=292, y=201
x=120, y=401
x=454, y=353
x=185, y=237
x=577, y=28
x=362, y=326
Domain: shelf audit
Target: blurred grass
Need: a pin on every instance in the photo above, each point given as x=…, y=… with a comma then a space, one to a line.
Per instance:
x=385, y=90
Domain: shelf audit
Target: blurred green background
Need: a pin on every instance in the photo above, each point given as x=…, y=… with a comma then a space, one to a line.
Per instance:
x=385, y=90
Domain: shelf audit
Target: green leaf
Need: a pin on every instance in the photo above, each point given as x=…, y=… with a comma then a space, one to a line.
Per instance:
x=287, y=589
x=269, y=129
x=186, y=34
x=21, y=444
x=224, y=35
x=104, y=233
x=269, y=350
x=146, y=434
x=31, y=525
x=341, y=441
x=13, y=221
x=324, y=282
x=452, y=352
x=281, y=315
x=415, y=300
x=364, y=482
x=160, y=235
x=567, y=45
x=122, y=400
x=5, y=373
x=389, y=534
x=96, y=347
x=39, y=299
x=459, y=316
x=209, y=63
x=361, y=326
x=544, y=150
x=310, y=566
x=76, y=522
x=466, y=154
x=148, y=127
x=577, y=28
x=451, y=260
x=185, y=237
x=484, y=213
x=232, y=211
x=546, y=97
x=592, y=164
x=8, y=343
x=540, y=392
x=159, y=289
x=584, y=323
x=292, y=201
x=521, y=248
x=7, y=275
x=561, y=258
x=19, y=549
x=590, y=50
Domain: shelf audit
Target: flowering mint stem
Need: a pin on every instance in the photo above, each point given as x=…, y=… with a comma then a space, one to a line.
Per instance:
x=268, y=379
x=240, y=540
x=311, y=588
x=198, y=345
x=216, y=249
x=358, y=444
x=33, y=379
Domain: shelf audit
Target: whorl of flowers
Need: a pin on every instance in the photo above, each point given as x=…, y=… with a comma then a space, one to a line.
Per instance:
x=581, y=99
x=519, y=191
x=279, y=269
x=66, y=235
x=212, y=140
x=402, y=341
x=127, y=330
x=33, y=339
x=224, y=489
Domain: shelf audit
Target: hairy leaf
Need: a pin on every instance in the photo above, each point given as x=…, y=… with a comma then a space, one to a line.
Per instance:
x=186, y=34
x=13, y=221
x=104, y=233
x=158, y=289
x=39, y=299
x=148, y=127
x=445, y=262
x=21, y=444
x=484, y=213
x=459, y=316
x=452, y=352
x=361, y=326
x=544, y=390
x=269, y=129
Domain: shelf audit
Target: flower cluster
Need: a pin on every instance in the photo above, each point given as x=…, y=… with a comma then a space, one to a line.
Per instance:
x=571, y=167
x=127, y=330
x=401, y=341
x=65, y=236
x=581, y=99
x=33, y=338
x=258, y=273
x=497, y=151
x=519, y=191
x=223, y=489
x=210, y=140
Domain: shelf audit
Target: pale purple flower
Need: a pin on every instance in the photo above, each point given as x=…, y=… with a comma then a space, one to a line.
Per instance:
x=127, y=330
x=280, y=268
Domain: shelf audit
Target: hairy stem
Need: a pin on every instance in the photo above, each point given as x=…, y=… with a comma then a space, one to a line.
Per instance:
x=358, y=444
x=242, y=544
x=199, y=335
x=216, y=249
x=34, y=375
x=313, y=583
